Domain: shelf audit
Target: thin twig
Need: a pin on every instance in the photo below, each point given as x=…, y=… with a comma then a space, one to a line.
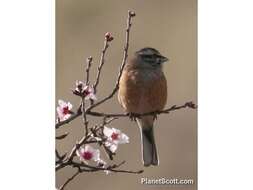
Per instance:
x=59, y=157
x=115, y=89
x=101, y=63
x=71, y=118
x=165, y=111
x=85, y=138
x=82, y=167
x=60, y=137
x=111, y=168
x=125, y=55
x=85, y=121
x=88, y=65
x=80, y=143
x=99, y=114
x=69, y=180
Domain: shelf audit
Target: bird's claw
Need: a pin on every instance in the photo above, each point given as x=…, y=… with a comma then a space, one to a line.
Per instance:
x=155, y=116
x=132, y=116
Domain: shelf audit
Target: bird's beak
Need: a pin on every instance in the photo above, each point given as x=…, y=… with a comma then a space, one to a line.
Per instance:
x=164, y=59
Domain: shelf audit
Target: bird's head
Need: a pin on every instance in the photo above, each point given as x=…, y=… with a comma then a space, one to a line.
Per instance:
x=150, y=57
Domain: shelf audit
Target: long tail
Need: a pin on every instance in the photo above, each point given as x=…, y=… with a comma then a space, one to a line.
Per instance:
x=149, y=152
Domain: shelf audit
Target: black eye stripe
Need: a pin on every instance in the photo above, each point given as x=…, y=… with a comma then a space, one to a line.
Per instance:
x=147, y=55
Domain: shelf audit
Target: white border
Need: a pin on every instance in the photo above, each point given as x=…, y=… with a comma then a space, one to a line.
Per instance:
x=27, y=94
x=225, y=94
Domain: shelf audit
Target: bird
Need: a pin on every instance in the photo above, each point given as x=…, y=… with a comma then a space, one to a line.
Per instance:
x=143, y=89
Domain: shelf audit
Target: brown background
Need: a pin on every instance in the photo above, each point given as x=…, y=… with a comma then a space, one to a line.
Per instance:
x=169, y=26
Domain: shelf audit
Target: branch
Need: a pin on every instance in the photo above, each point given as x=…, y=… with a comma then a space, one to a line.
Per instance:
x=85, y=121
x=81, y=142
x=71, y=118
x=59, y=157
x=89, y=61
x=82, y=167
x=69, y=180
x=61, y=136
x=102, y=60
x=98, y=114
x=115, y=89
x=166, y=111
x=111, y=168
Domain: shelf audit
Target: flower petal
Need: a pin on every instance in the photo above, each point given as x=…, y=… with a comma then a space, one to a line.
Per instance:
x=60, y=113
x=123, y=139
x=95, y=152
x=66, y=116
x=62, y=103
x=107, y=131
x=113, y=147
x=93, y=97
x=96, y=155
x=70, y=106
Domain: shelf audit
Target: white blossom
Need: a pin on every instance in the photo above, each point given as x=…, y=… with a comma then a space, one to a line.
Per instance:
x=114, y=138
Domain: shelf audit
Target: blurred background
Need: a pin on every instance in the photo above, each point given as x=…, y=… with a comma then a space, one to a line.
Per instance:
x=169, y=26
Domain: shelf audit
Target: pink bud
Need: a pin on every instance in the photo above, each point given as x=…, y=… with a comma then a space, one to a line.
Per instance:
x=89, y=59
x=132, y=14
x=108, y=36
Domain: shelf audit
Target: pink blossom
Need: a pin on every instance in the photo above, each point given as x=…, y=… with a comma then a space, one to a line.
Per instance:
x=108, y=36
x=88, y=153
x=114, y=138
x=89, y=93
x=85, y=91
x=64, y=110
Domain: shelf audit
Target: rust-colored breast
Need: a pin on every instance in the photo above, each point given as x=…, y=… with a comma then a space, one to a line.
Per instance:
x=142, y=91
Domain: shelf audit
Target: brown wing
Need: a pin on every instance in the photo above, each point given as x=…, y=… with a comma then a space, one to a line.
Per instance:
x=129, y=91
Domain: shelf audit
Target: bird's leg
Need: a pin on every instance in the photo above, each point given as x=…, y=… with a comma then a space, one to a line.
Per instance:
x=132, y=116
x=155, y=116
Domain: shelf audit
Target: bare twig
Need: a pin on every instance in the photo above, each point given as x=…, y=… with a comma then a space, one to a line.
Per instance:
x=115, y=89
x=69, y=180
x=99, y=114
x=82, y=167
x=109, y=153
x=111, y=168
x=89, y=61
x=86, y=137
x=61, y=136
x=85, y=121
x=102, y=61
x=165, y=111
x=125, y=54
x=71, y=118
x=80, y=143
x=59, y=157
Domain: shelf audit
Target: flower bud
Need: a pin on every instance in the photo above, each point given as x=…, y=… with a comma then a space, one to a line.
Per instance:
x=108, y=36
x=132, y=13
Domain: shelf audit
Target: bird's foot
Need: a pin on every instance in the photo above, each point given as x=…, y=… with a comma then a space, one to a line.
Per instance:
x=155, y=116
x=132, y=116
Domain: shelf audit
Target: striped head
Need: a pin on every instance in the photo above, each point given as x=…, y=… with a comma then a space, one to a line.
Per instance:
x=150, y=57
